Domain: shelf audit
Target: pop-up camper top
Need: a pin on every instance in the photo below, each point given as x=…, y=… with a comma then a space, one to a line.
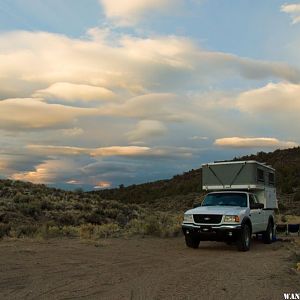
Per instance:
x=241, y=175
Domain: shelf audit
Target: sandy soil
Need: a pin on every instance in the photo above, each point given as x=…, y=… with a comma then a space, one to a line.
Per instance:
x=149, y=268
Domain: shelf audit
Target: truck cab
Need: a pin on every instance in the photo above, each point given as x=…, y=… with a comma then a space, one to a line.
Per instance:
x=230, y=215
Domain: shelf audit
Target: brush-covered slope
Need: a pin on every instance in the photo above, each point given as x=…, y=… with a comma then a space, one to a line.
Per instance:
x=183, y=190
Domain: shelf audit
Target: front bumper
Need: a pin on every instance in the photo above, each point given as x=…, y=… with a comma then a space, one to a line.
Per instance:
x=206, y=232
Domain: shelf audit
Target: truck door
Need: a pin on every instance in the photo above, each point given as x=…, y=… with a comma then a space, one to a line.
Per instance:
x=264, y=216
x=256, y=215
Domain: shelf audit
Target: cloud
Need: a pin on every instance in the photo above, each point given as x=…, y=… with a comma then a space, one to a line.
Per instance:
x=31, y=64
x=154, y=106
x=147, y=128
x=48, y=172
x=31, y=113
x=122, y=151
x=71, y=92
x=127, y=13
x=102, y=185
x=293, y=10
x=72, y=132
x=50, y=150
x=74, y=181
x=109, y=168
x=273, y=107
x=198, y=138
x=281, y=99
x=89, y=166
x=251, y=142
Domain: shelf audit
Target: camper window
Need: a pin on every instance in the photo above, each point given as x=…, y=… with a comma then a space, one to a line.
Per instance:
x=260, y=175
x=271, y=179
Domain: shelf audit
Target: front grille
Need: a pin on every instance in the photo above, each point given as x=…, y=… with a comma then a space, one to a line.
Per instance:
x=208, y=219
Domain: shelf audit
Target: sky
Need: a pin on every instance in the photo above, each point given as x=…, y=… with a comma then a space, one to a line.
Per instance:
x=99, y=93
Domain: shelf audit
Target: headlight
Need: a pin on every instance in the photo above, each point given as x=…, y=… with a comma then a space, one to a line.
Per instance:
x=232, y=219
x=188, y=218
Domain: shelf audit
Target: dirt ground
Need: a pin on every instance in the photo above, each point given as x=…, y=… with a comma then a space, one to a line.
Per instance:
x=149, y=268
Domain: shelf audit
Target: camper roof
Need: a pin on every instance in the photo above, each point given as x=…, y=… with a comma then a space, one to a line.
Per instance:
x=239, y=162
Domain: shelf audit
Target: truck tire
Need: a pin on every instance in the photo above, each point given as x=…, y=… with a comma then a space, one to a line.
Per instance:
x=192, y=242
x=244, y=240
x=269, y=233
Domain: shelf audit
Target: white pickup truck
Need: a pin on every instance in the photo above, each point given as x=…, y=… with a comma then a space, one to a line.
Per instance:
x=242, y=204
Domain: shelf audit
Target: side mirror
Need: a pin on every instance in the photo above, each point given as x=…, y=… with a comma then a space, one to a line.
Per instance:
x=257, y=206
x=196, y=205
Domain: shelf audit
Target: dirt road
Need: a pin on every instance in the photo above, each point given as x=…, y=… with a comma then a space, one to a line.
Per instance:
x=149, y=268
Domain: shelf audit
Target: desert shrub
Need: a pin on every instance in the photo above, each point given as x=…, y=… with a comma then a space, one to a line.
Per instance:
x=90, y=231
x=78, y=206
x=69, y=231
x=162, y=225
x=152, y=225
x=281, y=207
x=86, y=231
x=59, y=206
x=66, y=218
x=148, y=225
x=106, y=230
x=26, y=231
x=43, y=231
x=121, y=219
x=54, y=231
x=94, y=218
x=170, y=225
x=46, y=205
x=111, y=212
x=283, y=219
x=135, y=227
x=4, y=230
x=31, y=209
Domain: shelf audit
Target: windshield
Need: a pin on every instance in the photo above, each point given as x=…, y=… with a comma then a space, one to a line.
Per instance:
x=225, y=199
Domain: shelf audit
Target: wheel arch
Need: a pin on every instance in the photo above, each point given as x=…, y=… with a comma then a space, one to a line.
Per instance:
x=271, y=220
x=247, y=221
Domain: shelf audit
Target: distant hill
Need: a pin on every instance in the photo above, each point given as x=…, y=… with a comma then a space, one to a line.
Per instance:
x=188, y=186
x=25, y=207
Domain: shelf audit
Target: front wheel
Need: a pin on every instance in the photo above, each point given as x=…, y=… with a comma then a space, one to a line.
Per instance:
x=268, y=235
x=192, y=242
x=243, y=243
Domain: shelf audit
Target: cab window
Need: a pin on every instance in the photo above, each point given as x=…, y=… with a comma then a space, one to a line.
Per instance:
x=252, y=200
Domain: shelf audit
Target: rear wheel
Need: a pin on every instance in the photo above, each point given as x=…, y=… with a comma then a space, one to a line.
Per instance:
x=243, y=243
x=192, y=242
x=268, y=235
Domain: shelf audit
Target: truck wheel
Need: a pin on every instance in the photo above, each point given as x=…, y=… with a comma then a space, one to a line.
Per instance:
x=192, y=242
x=244, y=240
x=268, y=234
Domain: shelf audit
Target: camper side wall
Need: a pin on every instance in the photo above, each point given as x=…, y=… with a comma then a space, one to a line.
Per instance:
x=267, y=197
